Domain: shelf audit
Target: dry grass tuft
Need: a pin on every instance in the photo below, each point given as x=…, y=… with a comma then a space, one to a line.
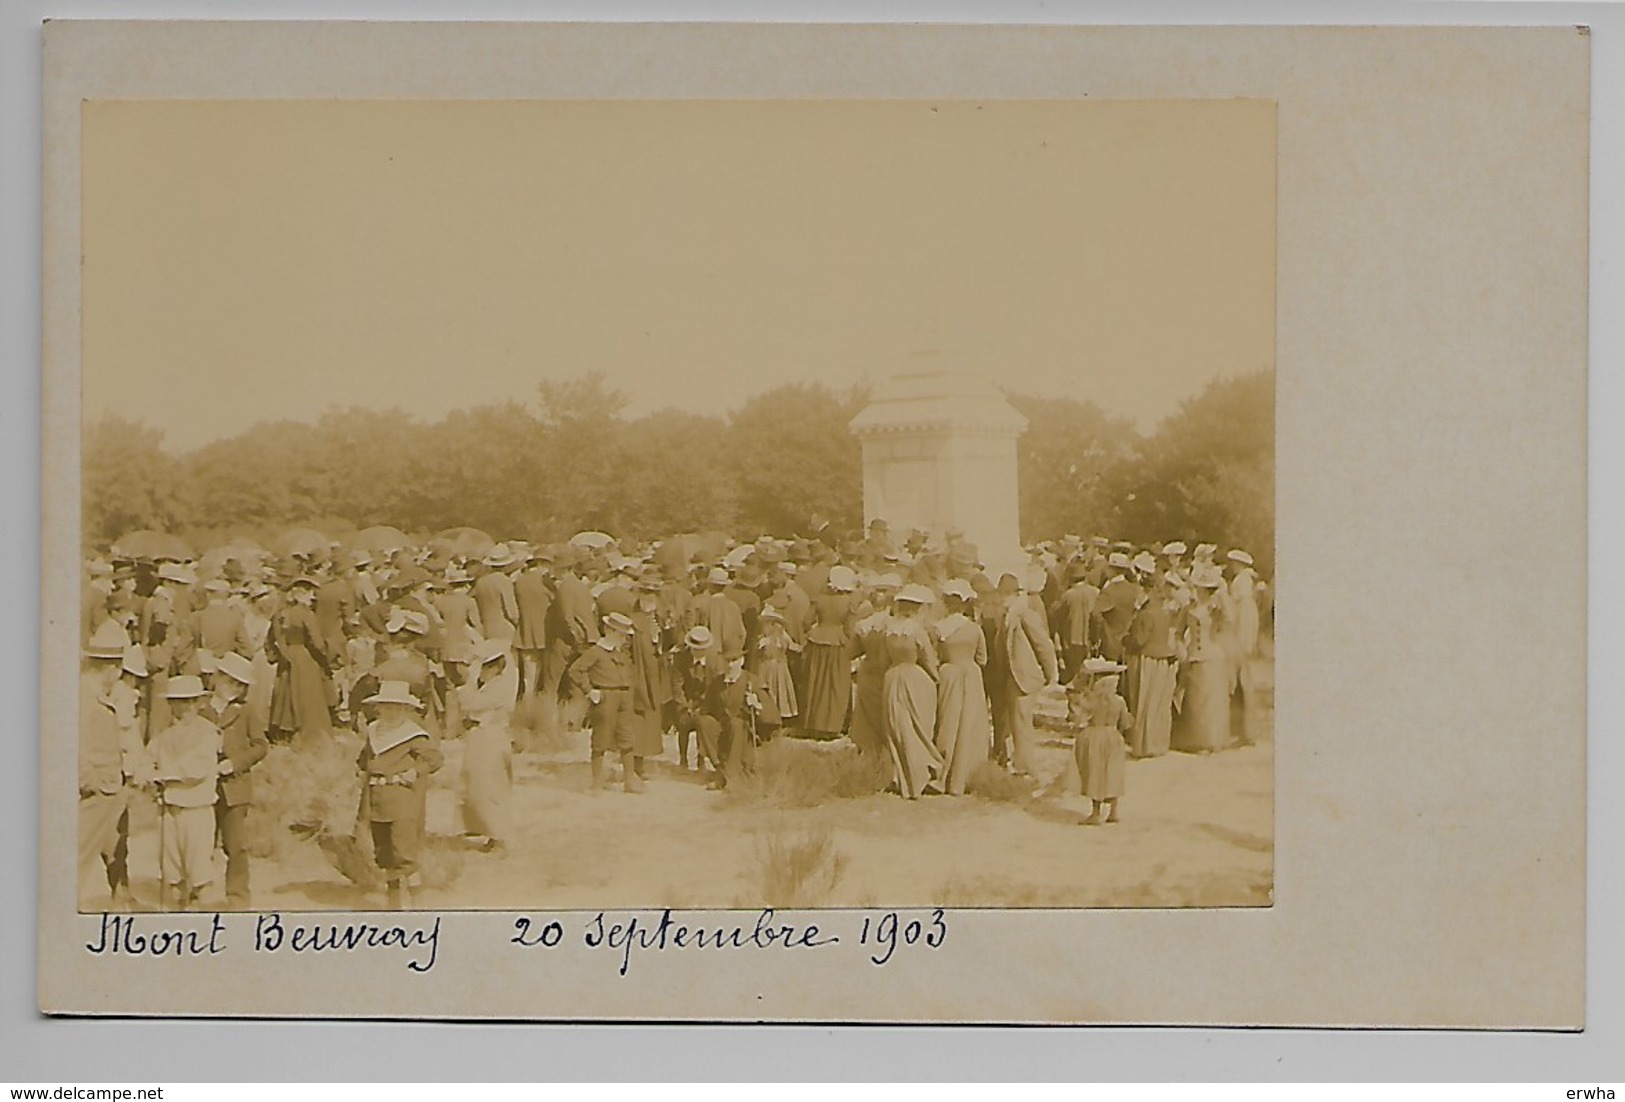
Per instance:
x=797, y=868
x=792, y=773
x=992, y=783
x=539, y=729
x=308, y=787
x=311, y=789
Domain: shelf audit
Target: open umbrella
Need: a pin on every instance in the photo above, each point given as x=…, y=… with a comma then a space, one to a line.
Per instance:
x=467, y=542
x=150, y=544
x=380, y=538
x=592, y=541
x=302, y=541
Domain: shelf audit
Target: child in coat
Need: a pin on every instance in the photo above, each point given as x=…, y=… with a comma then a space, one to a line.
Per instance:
x=1102, y=721
x=395, y=762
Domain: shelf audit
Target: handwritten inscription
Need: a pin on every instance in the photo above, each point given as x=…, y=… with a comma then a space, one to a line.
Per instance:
x=879, y=937
x=629, y=935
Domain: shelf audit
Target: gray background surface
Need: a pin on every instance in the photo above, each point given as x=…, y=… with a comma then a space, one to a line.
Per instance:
x=60, y=1051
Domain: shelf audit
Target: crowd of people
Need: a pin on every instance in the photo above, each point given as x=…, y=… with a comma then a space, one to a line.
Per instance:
x=906, y=645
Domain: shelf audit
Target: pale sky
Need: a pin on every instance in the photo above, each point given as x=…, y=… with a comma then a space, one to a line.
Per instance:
x=263, y=260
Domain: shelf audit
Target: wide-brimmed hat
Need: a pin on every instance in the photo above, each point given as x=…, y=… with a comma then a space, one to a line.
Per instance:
x=489, y=650
x=1205, y=550
x=135, y=661
x=394, y=692
x=914, y=594
x=1174, y=548
x=698, y=637
x=1238, y=555
x=403, y=620
x=1145, y=562
x=717, y=576
x=1118, y=559
x=500, y=555
x=304, y=581
x=107, y=641
x=960, y=588
x=236, y=667
x=749, y=576
x=177, y=572
x=618, y=621
x=184, y=687
x=843, y=579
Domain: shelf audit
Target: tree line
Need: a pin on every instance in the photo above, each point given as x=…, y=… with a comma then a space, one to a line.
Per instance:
x=573, y=460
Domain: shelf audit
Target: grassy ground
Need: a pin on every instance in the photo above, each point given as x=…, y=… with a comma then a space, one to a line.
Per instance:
x=811, y=830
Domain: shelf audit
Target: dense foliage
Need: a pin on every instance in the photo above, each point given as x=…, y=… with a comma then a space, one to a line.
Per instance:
x=574, y=461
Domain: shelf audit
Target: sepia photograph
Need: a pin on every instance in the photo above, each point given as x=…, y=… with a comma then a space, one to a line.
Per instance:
x=583, y=504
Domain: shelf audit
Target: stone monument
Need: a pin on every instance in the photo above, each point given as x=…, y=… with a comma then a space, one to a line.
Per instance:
x=939, y=452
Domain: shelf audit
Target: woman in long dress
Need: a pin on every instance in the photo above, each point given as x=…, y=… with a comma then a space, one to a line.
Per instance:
x=829, y=670
x=868, y=730
x=487, y=699
x=1202, y=722
x=910, y=696
x=1154, y=631
x=1101, y=719
x=303, y=692
x=964, y=733
x=773, y=650
x=652, y=687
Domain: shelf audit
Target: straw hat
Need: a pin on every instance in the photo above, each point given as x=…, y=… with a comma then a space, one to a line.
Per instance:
x=1240, y=556
x=717, y=576
x=489, y=650
x=177, y=572
x=500, y=555
x=843, y=579
x=184, y=687
x=618, y=621
x=958, y=587
x=107, y=641
x=914, y=594
x=394, y=692
x=135, y=661
x=1173, y=549
x=236, y=667
x=698, y=637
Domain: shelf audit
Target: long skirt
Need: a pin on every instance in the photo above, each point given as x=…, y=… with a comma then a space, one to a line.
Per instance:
x=1203, y=722
x=1154, y=715
x=964, y=734
x=869, y=708
x=911, y=719
x=488, y=781
x=300, y=700
x=779, y=687
x=1100, y=756
x=829, y=688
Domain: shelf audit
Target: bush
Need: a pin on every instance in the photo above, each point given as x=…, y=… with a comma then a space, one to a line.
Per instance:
x=993, y=783
x=307, y=787
x=792, y=773
x=796, y=869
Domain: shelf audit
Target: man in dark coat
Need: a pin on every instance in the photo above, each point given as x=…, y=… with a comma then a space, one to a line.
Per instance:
x=572, y=626
x=242, y=747
x=533, y=596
